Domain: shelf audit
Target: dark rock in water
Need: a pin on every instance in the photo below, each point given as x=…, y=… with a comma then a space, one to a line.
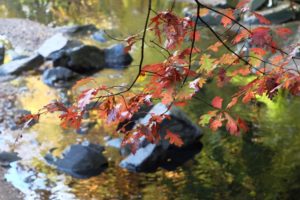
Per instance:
x=99, y=36
x=2, y=53
x=56, y=43
x=211, y=18
x=16, y=67
x=8, y=157
x=150, y=156
x=59, y=77
x=277, y=15
x=116, y=57
x=85, y=59
x=80, y=160
x=77, y=29
x=256, y=4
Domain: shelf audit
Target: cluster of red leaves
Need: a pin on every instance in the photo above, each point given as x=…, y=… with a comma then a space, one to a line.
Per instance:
x=216, y=118
x=174, y=28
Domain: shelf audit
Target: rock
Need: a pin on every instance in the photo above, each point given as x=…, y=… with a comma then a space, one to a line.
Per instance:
x=83, y=59
x=115, y=143
x=59, y=77
x=277, y=15
x=2, y=53
x=99, y=36
x=115, y=56
x=80, y=160
x=56, y=43
x=256, y=4
x=16, y=67
x=150, y=156
x=77, y=29
x=7, y=157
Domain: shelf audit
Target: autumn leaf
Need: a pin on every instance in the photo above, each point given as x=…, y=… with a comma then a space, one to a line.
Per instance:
x=283, y=32
x=206, y=63
x=226, y=21
x=243, y=125
x=233, y=101
x=242, y=4
x=215, y=47
x=86, y=97
x=248, y=96
x=206, y=118
x=231, y=125
x=83, y=81
x=217, y=102
x=215, y=124
x=261, y=18
x=174, y=138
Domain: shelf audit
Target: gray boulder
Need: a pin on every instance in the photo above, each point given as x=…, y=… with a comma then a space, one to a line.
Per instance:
x=80, y=160
x=59, y=77
x=116, y=57
x=16, y=67
x=8, y=157
x=56, y=43
x=99, y=36
x=277, y=15
x=163, y=154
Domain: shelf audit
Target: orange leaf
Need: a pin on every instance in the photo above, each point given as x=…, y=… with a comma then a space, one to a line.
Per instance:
x=226, y=19
x=231, y=125
x=217, y=102
x=283, y=32
x=174, y=138
x=261, y=18
x=242, y=4
x=215, y=124
x=215, y=47
x=232, y=102
x=82, y=82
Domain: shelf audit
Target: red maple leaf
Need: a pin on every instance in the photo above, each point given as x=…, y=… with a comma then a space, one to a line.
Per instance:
x=174, y=138
x=217, y=102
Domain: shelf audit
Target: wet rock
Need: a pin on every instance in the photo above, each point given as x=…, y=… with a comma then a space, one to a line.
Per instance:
x=56, y=43
x=59, y=77
x=277, y=15
x=163, y=154
x=80, y=160
x=115, y=56
x=99, y=36
x=2, y=53
x=257, y=4
x=8, y=157
x=77, y=29
x=16, y=67
x=84, y=59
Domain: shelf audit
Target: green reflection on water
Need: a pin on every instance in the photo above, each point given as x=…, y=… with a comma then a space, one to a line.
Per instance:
x=263, y=164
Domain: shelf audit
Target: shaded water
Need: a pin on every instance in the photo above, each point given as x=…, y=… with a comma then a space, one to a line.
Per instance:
x=263, y=164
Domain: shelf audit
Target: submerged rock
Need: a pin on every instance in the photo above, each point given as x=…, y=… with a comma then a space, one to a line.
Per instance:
x=59, y=77
x=80, y=160
x=163, y=154
x=8, y=157
x=16, y=67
